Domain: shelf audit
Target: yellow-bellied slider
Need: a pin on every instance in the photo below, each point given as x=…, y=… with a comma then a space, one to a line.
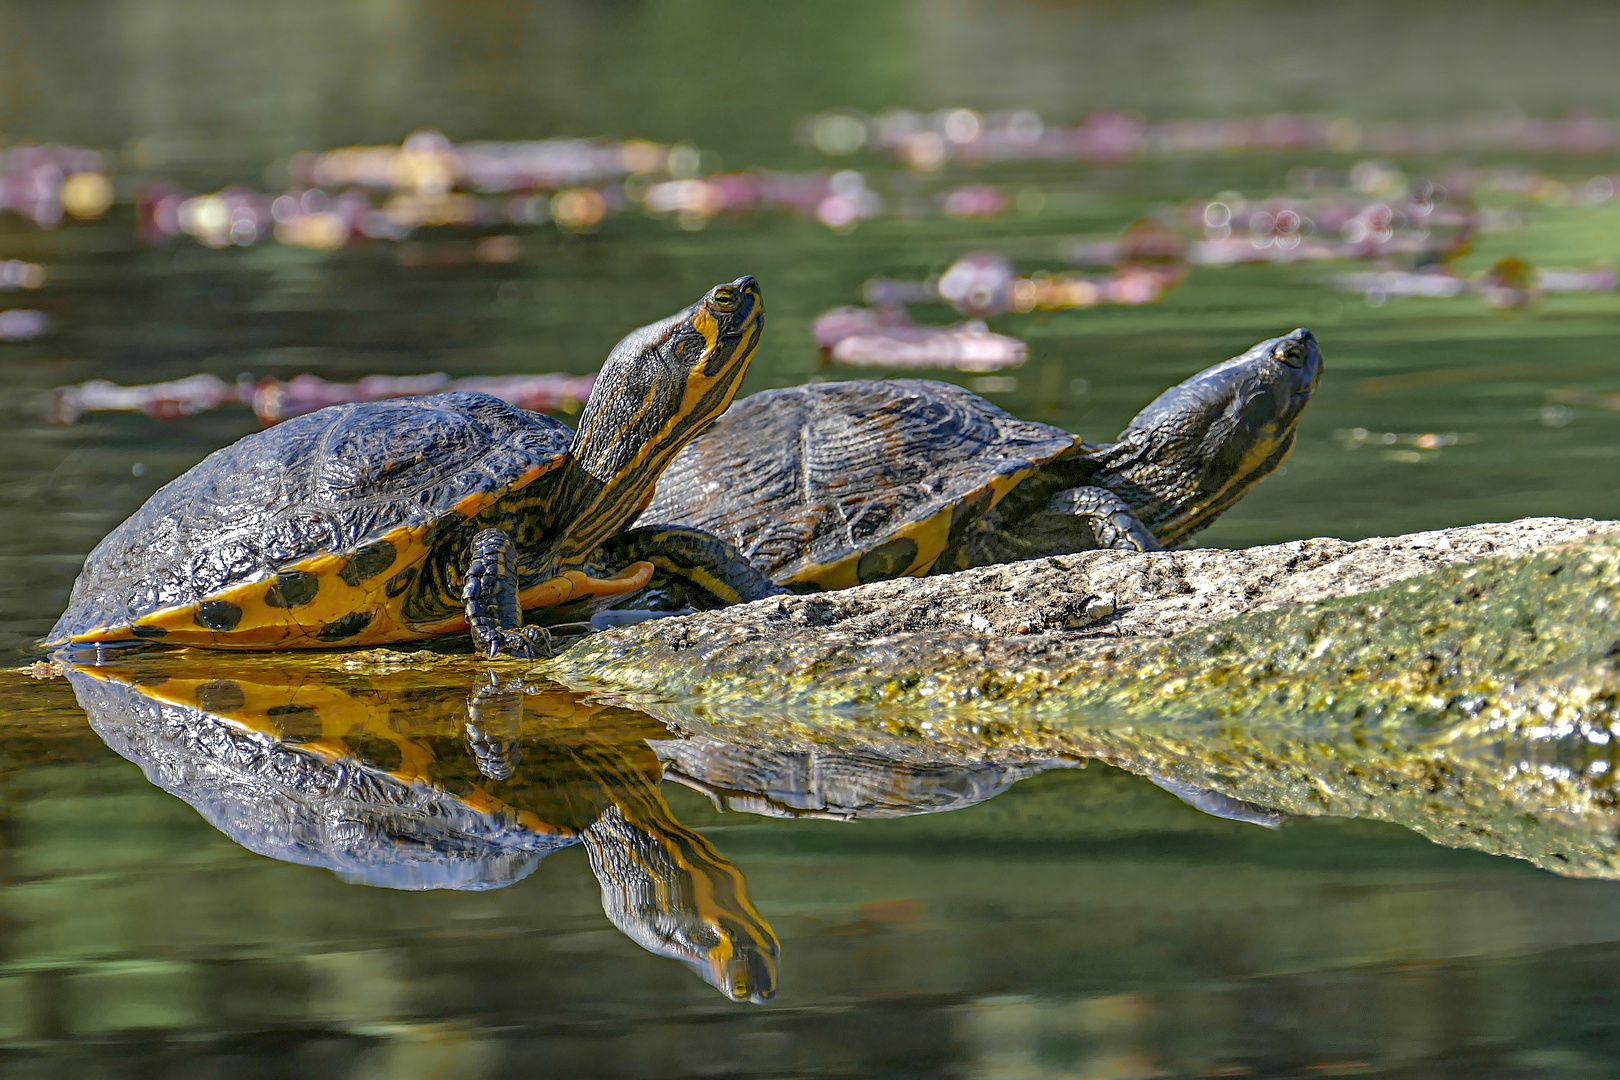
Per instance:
x=834, y=484
x=397, y=520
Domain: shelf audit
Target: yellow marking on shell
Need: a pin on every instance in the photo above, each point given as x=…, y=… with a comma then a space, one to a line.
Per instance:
x=339, y=714
x=931, y=535
x=328, y=749
x=263, y=625
x=258, y=699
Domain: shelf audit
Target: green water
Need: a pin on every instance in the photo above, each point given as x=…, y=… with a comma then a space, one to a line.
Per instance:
x=1084, y=922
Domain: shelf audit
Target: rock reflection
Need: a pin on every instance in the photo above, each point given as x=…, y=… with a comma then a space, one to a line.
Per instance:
x=409, y=781
x=849, y=784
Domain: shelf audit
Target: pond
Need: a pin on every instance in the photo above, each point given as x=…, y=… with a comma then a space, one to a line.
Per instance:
x=227, y=865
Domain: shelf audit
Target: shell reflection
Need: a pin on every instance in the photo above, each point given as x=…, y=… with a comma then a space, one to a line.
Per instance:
x=415, y=780
x=452, y=777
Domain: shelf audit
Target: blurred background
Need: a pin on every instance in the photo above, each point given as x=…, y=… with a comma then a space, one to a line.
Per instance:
x=215, y=215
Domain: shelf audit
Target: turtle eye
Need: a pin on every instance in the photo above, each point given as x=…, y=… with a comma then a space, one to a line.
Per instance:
x=1292, y=354
x=725, y=298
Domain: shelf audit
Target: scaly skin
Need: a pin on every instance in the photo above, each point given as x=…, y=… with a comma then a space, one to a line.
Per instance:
x=396, y=521
x=1476, y=705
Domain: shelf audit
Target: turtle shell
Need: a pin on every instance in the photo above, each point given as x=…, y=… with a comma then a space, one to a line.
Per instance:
x=256, y=757
x=835, y=484
x=832, y=784
x=312, y=533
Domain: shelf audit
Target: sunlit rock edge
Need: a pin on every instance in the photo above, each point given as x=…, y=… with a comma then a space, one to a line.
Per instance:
x=1031, y=635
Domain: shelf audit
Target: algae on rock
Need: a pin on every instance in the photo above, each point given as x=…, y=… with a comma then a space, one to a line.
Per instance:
x=1475, y=704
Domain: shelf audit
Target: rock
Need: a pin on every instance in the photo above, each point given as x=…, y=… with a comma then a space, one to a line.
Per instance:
x=1048, y=633
x=1465, y=683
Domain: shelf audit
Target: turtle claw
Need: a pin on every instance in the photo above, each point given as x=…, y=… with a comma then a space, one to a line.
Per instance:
x=1113, y=522
x=494, y=758
x=494, y=616
x=524, y=643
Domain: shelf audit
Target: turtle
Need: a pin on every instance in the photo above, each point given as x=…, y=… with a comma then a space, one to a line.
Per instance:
x=832, y=485
x=835, y=785
x=414, y=780
x=848, y=785
x=397, y=520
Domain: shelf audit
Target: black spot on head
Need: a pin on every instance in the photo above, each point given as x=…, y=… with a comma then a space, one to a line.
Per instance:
x=368, y=561
x=887, y=560
x=219, y=616
x=147, y=631
x=293, y=588
x=290, y=710
x=400, y=581
x=220, y=695
x=346, y=627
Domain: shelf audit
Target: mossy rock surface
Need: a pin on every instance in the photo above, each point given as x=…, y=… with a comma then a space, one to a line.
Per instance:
x=1433, y=622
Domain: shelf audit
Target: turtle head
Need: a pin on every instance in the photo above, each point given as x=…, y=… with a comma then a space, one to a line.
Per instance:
x=741, y=963
x=661, y=387
x=668, y=890
x=738, y=957
x=1201, y=445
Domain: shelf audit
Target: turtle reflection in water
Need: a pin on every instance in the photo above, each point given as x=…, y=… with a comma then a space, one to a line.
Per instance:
x=403, y=782
x=835, y=484
x=848, y=786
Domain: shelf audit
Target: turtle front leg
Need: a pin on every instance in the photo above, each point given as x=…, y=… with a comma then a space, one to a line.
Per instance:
x=491, y=595
x=1113, y=523
x=696, y=568
x=1075, y=519
x=494, y=706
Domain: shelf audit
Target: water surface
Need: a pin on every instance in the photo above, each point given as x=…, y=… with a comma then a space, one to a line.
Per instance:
x=1045, y=919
